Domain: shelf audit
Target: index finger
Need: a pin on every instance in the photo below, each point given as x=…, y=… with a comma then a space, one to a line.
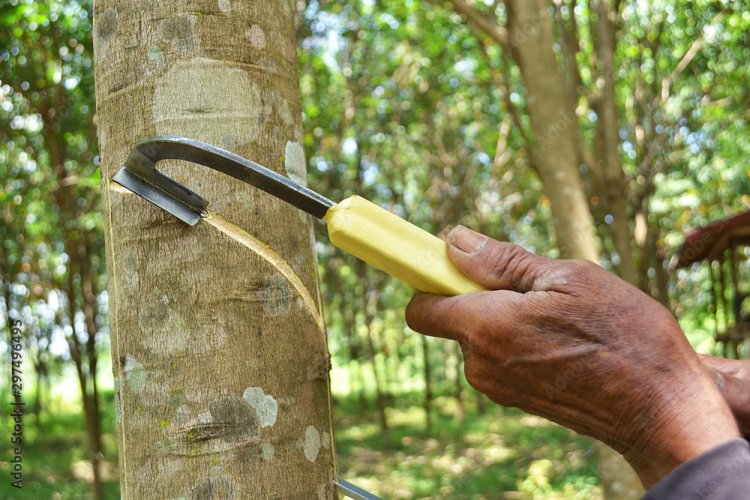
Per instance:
x=433, y=315
x=457, y=317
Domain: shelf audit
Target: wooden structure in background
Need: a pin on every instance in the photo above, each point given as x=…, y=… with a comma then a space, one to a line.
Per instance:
x=719, y=245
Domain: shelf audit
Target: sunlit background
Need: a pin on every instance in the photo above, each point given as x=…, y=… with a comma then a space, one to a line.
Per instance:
x=407, y=104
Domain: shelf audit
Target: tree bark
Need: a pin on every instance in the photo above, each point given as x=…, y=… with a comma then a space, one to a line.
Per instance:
x=458, y=376
x=218, y=342
x=609, y=168
x=369, y=309
x=555, y=126
x=427, y=402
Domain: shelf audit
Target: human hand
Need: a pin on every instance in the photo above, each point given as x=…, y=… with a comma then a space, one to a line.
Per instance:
x=732, y=377
x=569, y=341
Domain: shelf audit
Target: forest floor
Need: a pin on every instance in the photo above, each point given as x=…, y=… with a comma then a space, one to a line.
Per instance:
x=56, y=465
x=503, y=453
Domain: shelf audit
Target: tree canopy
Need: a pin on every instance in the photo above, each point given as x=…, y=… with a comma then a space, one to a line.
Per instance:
x=421, y=107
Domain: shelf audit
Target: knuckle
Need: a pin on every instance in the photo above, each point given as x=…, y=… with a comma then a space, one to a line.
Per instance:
x=506, y=261
x=580, y=266
x=577, y=272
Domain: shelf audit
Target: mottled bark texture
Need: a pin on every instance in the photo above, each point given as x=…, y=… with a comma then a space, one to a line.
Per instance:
x=555, y=126
x=608, y=169
x=219, y=354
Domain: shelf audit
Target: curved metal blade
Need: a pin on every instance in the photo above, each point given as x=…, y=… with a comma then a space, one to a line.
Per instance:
x=139, y=175
x=348, y=489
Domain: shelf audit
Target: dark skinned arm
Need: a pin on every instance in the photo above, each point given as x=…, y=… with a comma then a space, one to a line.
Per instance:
x=571, y=342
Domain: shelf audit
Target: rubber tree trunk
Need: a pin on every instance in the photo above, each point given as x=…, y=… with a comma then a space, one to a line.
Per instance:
x=614, y=185
x=427, y=402
x=555, y=128
x=218, y=341
x=369, y=311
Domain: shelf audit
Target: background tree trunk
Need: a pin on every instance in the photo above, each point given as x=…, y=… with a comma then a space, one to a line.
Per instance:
x=427, y=401
x=220, y=360
x=368, y=304
x=555, y=126
x=608, y=165
x=556, y=158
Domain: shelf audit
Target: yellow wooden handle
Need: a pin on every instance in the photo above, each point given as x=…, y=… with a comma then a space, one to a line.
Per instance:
x=401, y=249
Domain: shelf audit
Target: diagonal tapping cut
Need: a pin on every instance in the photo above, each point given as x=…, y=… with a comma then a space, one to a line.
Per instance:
x=249, y=241
x=355, y=225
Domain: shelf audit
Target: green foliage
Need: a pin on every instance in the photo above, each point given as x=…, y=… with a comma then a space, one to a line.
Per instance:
x=56, y=457
x=50, y=177
x=501, y=452
x=52, y=260
x=410, y=106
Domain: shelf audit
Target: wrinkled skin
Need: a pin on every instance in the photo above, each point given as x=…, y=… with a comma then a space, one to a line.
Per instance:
x=569, y=341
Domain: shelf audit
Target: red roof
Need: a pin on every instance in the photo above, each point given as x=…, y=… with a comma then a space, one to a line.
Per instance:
x=709, y=242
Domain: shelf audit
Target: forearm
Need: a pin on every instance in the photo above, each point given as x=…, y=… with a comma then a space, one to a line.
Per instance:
x=694, y=420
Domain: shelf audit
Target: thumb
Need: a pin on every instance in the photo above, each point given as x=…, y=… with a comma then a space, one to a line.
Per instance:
x=735, y=367
x=736, y=393
x=494, y=264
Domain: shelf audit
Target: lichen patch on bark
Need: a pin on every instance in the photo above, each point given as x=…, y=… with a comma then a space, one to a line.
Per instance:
x=178, y=32
x=311, y=444
x=257, y=37
x=154, y=315
x=294, y=162
x=267, y=451
x=135, y=374
x=214, y=487
x=225, y=6
x=106, y=26
x=266, y=407
x=156, y=56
